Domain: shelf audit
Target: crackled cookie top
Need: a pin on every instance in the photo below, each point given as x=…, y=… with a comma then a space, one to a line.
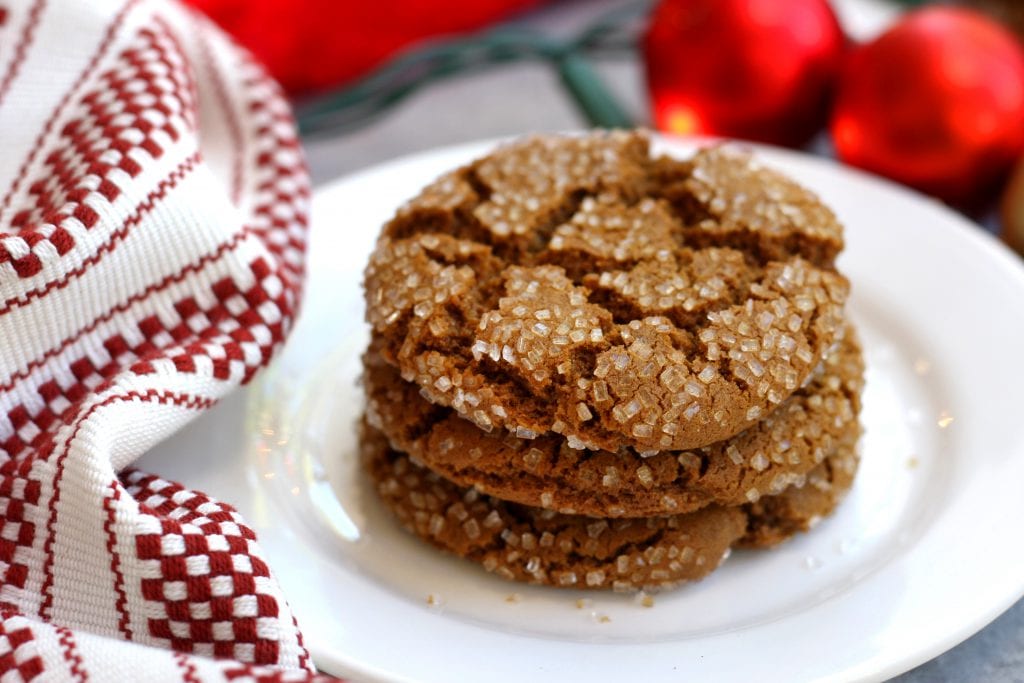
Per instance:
x=762, y=460
x=576, y=285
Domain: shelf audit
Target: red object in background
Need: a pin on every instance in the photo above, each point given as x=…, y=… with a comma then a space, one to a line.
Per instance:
x=936, y=102
x=308, y=45
x=756, y=69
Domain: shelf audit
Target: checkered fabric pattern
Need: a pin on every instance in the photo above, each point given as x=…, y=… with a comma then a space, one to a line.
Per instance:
x=153, y=204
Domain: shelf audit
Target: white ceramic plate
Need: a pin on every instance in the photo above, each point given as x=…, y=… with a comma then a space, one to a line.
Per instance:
x=925, y=551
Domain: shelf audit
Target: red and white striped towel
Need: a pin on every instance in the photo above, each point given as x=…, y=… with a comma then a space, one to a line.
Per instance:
x=153, y=204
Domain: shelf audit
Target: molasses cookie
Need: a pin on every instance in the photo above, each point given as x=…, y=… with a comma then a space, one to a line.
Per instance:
x=773, y=519
x=546, y=472
x=577, y=285
x=545, y=547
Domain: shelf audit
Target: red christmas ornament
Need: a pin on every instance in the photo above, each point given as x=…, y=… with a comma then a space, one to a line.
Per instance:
x=936, y=102
x=308, y=45
x=756, y=69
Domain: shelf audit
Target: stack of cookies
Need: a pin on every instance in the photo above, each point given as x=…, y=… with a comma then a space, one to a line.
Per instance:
x=592, y=367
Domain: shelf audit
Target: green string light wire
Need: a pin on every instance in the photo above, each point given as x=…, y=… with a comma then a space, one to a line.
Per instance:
x=612, y=33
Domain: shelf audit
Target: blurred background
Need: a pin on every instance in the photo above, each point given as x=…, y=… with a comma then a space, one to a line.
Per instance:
x=929, y=95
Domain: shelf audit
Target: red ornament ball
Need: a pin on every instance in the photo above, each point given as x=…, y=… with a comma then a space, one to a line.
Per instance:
x=756, y=69
x=311, y=45
x=936, y=102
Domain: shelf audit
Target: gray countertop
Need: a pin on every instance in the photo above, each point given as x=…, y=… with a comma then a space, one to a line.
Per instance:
x=527, y=97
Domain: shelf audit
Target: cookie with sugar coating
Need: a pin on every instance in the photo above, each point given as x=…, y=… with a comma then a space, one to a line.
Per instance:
x=546, y=472
x=539, y=546
x=580, y=286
